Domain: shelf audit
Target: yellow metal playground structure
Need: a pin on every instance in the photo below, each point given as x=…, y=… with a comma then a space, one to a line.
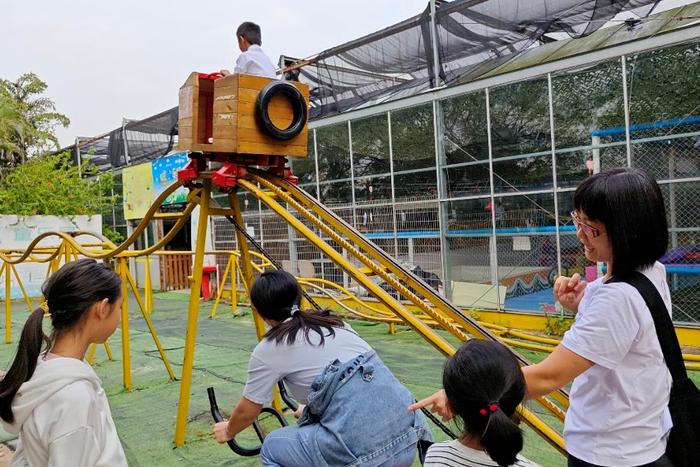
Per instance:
x=418, y=304
x=213, y=166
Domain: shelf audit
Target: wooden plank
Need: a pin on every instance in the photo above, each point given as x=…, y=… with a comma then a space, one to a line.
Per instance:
x=251, y=95
x=257, y=136
x=224, y=132
x=258, y=82
x=225, y=106
x=225, y=119
x=247, y=147
x=184, y=144
x=219, y=145
x=178, y=262
x=169, y=274
x=228, y=81
x=223, y=91
x=185, y=101
x=252, y=82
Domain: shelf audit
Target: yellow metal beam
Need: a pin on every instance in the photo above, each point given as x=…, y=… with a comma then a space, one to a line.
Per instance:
x=151, y=328
x=8, y=302
x=126, y=356
x=354, y=271
x=192, y=315
x=27, y=300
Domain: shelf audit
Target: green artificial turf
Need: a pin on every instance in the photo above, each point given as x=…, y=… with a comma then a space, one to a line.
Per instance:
x=145, y=417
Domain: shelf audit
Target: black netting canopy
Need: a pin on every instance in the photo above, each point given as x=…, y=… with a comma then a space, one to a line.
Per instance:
x=146, y=139
x=398, y=61
x=469, y=37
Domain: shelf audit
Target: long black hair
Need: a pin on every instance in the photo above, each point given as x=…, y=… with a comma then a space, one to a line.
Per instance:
x=276, y=295
x=630, y=205
x=69, y=293
x=484, y=385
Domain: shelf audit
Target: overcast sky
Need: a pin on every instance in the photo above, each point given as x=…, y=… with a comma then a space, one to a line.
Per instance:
x=106, y=60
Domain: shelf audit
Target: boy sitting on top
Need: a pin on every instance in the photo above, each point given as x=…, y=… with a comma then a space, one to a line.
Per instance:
x=253, y=60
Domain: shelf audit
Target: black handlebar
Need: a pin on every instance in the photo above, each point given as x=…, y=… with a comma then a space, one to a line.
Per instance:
x=237, y=448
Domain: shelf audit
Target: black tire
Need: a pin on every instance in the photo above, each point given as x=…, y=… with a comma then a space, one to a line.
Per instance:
x=298, y=104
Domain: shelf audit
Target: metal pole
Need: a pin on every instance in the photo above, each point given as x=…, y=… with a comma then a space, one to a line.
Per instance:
x=352, y=176
x=595, y=152
x=126, y=357
x=493, y=252
x=318, y=184
x=78, y=159
x=554, y=171
x=246, y=262
x=149, y=324
x=148, y=287
x=8, y=302
x=393, y=185
x=443, y=221
x=246, y=265
x=127, y=159
x=625, y=98
x=433, y=37
x=192, y=315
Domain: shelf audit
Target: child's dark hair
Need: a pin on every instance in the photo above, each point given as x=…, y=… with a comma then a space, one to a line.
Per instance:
x=69, y=293
x=630, y=205
x=276, y=296
x=251, y=32
x=484, y=385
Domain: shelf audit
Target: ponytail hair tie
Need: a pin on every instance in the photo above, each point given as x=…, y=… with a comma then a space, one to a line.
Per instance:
x=293, y=310
x=491, y=408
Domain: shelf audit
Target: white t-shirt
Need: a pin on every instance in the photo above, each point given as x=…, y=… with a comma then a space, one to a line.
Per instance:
x=299, y=363
x=618, y=414
x=453, y=454
x=254, y=62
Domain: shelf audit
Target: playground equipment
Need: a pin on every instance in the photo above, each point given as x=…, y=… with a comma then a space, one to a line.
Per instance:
x=229, y=156
x=267, y=178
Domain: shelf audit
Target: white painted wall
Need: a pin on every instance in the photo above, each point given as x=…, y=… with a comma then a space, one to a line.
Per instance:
x=19, y=231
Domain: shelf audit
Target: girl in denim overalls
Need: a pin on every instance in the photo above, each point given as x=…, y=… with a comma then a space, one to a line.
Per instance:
x=355, y=409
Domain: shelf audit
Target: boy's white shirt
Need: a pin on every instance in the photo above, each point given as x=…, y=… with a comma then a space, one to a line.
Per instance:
x=254, y=62
x=62, y=418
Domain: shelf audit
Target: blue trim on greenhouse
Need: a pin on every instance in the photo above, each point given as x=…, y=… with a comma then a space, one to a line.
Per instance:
x=472, y=232
x=689, y=269
x=647, y=126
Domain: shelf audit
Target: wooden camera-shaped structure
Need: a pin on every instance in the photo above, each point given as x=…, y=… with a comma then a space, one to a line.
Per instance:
x=243, y=114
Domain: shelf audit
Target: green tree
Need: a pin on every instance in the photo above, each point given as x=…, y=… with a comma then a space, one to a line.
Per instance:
x=53, y=185
x=27, y=120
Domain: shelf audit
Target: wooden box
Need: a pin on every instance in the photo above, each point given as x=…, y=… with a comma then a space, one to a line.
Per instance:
x=219, y=116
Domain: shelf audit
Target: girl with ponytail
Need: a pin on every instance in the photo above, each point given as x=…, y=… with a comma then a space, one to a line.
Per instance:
x=50, y=397
x=354, y=410
x=484, y=385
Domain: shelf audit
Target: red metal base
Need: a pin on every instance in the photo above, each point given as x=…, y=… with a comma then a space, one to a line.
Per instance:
x=233, y=167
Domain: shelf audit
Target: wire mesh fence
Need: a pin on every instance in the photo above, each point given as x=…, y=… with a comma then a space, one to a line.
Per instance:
x=474, y=191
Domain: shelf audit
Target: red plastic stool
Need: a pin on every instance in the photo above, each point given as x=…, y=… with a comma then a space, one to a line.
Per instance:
x=207, y=272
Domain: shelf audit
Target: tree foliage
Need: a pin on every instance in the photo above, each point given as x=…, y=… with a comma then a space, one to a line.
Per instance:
x=27, y=120
x=53, y=185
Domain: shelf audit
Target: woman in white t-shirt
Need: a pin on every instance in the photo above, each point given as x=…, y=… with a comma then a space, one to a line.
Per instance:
x=355, y=409
x=618, y=414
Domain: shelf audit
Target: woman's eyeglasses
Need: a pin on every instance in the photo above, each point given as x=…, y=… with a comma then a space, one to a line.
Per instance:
x=589, y=230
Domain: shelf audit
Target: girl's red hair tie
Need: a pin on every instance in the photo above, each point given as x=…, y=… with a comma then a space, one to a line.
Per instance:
x=492, y=407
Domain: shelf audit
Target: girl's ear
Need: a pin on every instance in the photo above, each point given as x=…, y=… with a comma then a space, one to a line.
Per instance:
x=102, y=308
